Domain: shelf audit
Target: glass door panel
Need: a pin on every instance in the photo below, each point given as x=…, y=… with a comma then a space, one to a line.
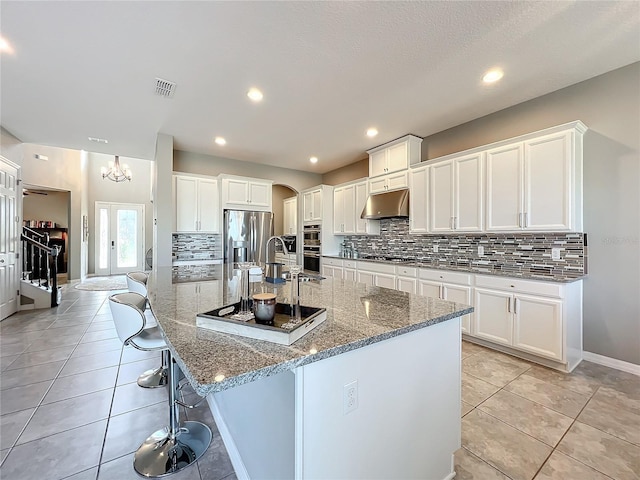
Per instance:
x=119, y=238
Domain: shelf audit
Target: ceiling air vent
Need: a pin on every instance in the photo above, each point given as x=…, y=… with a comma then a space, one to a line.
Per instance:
x=165, y=88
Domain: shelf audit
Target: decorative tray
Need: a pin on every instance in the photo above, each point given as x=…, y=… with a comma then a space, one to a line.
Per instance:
x=284, y=331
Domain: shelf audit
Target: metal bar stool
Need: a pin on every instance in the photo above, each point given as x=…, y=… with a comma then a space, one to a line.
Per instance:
x=177, y=445
x=157, y=377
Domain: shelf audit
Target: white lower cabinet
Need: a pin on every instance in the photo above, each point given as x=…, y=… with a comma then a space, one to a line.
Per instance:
x=543, y=319
x=367, y=278
x=332, y=267
x=385, y=280
x=451, y=286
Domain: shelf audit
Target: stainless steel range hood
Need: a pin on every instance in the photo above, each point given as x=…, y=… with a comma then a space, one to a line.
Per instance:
x=387, y=205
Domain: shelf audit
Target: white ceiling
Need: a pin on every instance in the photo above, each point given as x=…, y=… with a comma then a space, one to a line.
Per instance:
x=328, y=70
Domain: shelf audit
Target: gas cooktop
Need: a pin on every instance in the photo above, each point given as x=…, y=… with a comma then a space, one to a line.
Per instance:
x=388, y=259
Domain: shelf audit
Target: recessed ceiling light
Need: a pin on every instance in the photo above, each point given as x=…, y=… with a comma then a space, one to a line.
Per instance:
x=4, y=46
x=313, y=159
x=372, y=132
x=254, y=94
x=493, y=75
x=220, y=141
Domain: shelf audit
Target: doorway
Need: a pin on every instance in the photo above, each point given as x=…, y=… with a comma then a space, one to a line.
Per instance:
x=9, y=211
x=119, y=238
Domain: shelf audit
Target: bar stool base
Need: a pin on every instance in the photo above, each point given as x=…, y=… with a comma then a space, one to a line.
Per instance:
x=160, y=455
x=153, y=378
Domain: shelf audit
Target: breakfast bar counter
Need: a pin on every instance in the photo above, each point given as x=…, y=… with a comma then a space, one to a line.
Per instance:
x=373, y=392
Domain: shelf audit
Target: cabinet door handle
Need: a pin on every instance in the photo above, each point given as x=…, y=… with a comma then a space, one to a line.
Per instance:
x=509, y=304
x=515, y=306
x=440, y=292
x=520, y=220
x=526, y=219
x=444, y=292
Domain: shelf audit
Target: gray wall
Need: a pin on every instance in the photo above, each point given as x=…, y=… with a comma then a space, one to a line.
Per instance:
x=137, y=191
x=610, y=106
x=209, y=165
x=10, y=147
x=278, y=194
x=162, y=201
x=63, y=171
x=347, y=173
x=54, y=206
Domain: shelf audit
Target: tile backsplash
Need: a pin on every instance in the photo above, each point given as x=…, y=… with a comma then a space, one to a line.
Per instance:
x=514, y=254
x=196, y=246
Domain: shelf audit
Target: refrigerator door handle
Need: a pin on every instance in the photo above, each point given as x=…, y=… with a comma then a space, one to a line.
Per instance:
x=252, y=238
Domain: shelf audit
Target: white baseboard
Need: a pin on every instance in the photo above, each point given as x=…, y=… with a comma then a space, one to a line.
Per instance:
x=232, y=449
x=611, y=362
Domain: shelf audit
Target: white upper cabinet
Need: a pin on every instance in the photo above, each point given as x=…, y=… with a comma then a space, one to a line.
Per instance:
x=456, y=194
x=504, y=188
x=394, y=156
x=548, y=186
x=196, y=204
x=246, y=193
x=348, y=202
x=362, y=226
x=312, y=205
x=385, y=183
x=536, y=184
x=290, y=216
x=418, y=184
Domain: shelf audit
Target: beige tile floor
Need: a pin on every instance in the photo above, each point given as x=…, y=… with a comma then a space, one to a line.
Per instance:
x=519, y=420
x=522, y=421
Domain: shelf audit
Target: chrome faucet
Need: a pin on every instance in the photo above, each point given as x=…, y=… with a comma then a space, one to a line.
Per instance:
x=266, y=247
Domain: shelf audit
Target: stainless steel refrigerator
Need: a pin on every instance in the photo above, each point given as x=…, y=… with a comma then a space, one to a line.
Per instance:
x=246, y=234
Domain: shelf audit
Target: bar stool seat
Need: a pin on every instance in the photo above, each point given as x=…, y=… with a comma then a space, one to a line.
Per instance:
x=157, y=377
x=178, y=445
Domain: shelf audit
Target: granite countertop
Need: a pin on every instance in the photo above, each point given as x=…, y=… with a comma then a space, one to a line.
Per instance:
x=479, y=270
x=357, y=315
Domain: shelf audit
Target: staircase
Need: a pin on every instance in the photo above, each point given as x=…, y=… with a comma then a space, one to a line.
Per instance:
x=39, y=283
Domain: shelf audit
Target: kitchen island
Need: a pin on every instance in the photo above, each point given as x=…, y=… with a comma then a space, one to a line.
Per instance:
x=373, y=392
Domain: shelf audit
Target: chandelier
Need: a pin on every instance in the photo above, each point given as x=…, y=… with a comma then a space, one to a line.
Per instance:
x=116, y=172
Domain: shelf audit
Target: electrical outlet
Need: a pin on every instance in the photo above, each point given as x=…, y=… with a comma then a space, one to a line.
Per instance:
x=350, y=397
x=435, y=249
x=480, y=250
x=555, y=254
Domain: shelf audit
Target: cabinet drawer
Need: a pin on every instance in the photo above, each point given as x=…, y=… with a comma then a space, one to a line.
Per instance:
x=350, y=264
x=406, y=271
x=521, y=286
x=334, y=262
x=446, y=277
x=377, y=267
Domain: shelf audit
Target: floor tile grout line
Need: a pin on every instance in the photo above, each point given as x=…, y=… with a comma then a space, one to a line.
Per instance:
x=106, y=430
x=41, y=400
x=565, y=434
x=486, y=462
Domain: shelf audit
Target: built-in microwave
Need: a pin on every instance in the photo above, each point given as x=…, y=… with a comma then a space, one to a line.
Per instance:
x=311, y=235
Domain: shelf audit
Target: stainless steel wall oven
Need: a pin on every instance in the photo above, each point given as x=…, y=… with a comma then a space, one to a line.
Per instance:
x=311, y=248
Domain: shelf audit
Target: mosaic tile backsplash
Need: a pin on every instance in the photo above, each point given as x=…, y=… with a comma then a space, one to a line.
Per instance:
x=196, y=246
x=526, y=255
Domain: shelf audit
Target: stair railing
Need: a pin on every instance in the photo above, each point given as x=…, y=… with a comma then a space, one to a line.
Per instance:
x=40, y=261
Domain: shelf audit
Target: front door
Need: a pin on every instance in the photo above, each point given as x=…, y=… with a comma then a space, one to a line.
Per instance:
x=9, y=267
x=119, y=238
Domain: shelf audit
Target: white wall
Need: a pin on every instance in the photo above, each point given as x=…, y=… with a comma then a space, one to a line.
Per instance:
x=137, y=191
